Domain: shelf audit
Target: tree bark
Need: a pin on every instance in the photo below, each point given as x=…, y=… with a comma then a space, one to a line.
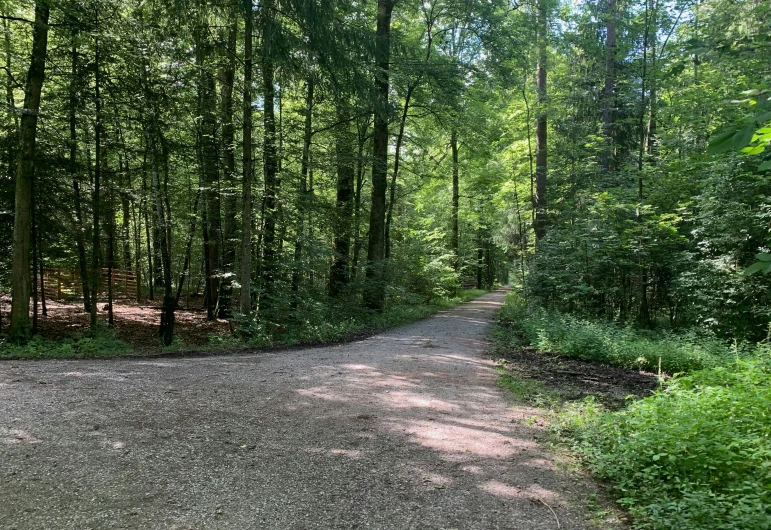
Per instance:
x=395, y=174
x=270, y=160
x=246, y=197
x=609, y=90
x=340, y=271
x=302, y=202
x=96, y=198
x=209, y=160
x=19, y=330
x=374, y=292
x=540, y=127
x=455, y=236
x=226, y=79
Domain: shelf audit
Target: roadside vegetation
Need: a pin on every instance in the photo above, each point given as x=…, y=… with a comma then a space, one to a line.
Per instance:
x=692, y=451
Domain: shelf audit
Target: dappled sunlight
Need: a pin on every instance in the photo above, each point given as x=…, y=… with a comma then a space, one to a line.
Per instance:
x=455, y=439
x=353, y=454
x=403, y=400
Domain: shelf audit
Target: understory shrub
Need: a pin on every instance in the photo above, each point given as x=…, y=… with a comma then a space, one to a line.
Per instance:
x=695, y=455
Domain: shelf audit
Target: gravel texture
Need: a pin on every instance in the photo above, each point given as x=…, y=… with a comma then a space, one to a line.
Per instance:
x=406, y=429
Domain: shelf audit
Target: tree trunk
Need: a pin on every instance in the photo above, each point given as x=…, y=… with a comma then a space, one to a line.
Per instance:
x=246, y=202
x=303, y=195
x=340, y=271
x=270, y=160
x=95, y=244
x=395, y=174
x=455, y=236
x=110, y=247
x=610, y=87
x=209, y=170
x=226, y=78
x=374, y=293
x=19, y=330
x=540, y=127
x=362, y=137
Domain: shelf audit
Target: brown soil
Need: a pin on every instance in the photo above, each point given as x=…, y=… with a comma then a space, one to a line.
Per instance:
x=136, y=324
x=575, y=379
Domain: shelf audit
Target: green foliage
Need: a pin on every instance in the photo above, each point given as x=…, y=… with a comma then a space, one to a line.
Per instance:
x=330, y=322
x=695, y=455
x=102, y=344
x=550, y=330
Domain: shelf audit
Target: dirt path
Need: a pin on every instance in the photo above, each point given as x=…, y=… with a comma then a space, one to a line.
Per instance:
x=406, y=429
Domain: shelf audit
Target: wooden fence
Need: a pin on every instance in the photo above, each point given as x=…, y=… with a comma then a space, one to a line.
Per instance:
x=63, y=284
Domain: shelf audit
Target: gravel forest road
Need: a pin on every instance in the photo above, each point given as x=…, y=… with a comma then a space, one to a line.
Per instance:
x=404, y=430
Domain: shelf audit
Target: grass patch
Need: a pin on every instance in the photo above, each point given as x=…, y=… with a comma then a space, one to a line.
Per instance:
x=102, y=344
x=551, y=331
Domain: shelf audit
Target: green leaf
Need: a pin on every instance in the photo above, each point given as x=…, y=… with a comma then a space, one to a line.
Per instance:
x=743, y=137
x=758, y=266
x=765, y=166
x=721, y=143
x=754, y=150
x=763, y=256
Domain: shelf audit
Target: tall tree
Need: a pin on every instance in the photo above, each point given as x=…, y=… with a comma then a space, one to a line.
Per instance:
x=270, y=155
x=539, y=201
x=246, y=197
x=374, y=294
x=19, y=330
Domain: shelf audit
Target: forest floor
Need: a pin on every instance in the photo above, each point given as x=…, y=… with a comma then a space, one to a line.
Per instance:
x=135, y=323
x=406, y=429
x=564, y=379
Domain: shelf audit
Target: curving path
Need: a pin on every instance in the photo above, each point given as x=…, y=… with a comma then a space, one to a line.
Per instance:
x=404, y=430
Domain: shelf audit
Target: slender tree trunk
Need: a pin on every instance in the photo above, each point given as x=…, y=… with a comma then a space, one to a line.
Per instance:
x=362, y=136
x=340, y=271
x=209, y=170
x=540, y=127
x=226, y=79
x=35, y=303
x=152, y=135
x=610, y=87
x=480, y=258
x=188, y=247
x=395, y=174
x=374, y=293
x=110, y=247
x=96, y=199
x=19, y=330
x=270, y=160
x=303, y=195
x=246, y=197
x=455, y=236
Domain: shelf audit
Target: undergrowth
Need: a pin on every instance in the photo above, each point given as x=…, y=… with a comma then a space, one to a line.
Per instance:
x=101, y=344
x=320, y=323
x=569, y=335
x=696, y=454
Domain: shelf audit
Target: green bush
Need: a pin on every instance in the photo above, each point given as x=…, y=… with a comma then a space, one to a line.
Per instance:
x=695, y=455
